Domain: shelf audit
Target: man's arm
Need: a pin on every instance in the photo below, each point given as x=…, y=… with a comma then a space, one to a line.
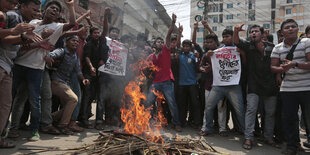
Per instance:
x=71, y=24
x=106, y=14
x=179, y=36
x=195, y=33
x=74, y=32
x=168, y=37
x=237, y=28
x=206, y=25
x=83, y=16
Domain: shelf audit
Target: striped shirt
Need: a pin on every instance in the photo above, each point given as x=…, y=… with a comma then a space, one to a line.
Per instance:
x=295, y=79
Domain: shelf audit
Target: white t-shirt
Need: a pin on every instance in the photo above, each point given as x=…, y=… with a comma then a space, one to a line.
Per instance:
x=35, y=57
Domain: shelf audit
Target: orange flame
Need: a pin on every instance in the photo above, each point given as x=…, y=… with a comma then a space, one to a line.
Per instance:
x=133, y=113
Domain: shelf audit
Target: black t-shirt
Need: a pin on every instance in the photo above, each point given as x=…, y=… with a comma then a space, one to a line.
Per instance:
x=260, y=79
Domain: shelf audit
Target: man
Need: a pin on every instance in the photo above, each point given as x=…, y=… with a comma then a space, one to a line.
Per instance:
x=29, y=65
x=224, y=87
x=262, y=84
x=162, y=80
x=95, y=55
x=295, y=88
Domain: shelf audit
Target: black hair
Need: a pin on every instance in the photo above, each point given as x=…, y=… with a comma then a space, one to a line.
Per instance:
x=26, y=2
x=307, y=29
x=213, y=37
x=186, y=42
x=54, y=2
x=91, y=30
x=125, y=37
x=142, y=36
x=114, y=28
x=261, y=29
x=228, y=32
x=70, y=37
x=158, y=38
x=270, y=38
x=61, y=19
x=288, y=21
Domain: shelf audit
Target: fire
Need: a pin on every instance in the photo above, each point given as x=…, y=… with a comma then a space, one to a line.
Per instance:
x=136, y=117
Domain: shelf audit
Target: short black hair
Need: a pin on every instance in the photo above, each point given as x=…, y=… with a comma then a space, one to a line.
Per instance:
x=91, y=30
x=141, y=36
x=213, y=37
x=70, y=37
x=26, y=2
x=186, y=42
x=114, y=28
x=174, y=37
x=228, y=32
x=261, y=29
x=307, y=29
x=158, y=38
x=288, y=21
x=54, y=2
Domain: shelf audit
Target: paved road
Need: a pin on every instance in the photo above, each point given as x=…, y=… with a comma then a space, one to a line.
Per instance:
x=231, y=144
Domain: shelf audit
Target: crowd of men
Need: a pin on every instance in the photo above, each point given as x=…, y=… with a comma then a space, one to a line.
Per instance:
x=49, y=69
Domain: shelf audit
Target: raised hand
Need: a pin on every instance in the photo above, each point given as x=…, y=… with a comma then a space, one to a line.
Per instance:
x=204, y=23
x=196, y=25
x=107, y=11
x=69, y=2
x=180, y=28
x=239, y=27
x=174, y=18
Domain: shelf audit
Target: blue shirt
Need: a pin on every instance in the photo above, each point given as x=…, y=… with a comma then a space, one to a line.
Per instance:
x=69, y=64
x=187, y=69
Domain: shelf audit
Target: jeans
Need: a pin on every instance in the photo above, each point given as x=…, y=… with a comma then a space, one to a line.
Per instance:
x=33, y=78
x=46, y=103
x=167, y=89
x=222, y=113
x=75, y=86
x=104, y=83
x=270, y=103
x=233, y=94
x=290, y=121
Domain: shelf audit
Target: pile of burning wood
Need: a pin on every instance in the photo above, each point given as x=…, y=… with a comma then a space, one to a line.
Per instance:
x=118, y=142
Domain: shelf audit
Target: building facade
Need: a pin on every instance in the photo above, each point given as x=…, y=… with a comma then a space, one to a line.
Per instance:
x=222, y=14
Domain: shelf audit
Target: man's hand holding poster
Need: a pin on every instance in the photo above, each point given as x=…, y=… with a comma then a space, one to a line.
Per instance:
x=116, y=63
x=226, y=66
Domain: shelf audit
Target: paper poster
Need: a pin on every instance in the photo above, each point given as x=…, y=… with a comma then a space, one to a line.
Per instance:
x=226, y=66
x=116, y=63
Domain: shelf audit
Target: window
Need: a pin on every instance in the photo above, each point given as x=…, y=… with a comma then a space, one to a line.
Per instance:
x=215, y=9
x=238, y=3
x=221, y=7
x=201, y=9
x=215, y=19
x=199, y=40
x=238, y=14
x=266, y=26
x=214, y=28
x=230, y=5
x=221, y=18
x=251, y=17
x=288, y=11
x=289, y=1
x=84, y=4
x=229, y=27
x=200, y=29
x=229, y=17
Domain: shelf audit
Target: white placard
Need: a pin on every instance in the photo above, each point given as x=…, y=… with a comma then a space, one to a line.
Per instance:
x=116, y=63
x=226, y=66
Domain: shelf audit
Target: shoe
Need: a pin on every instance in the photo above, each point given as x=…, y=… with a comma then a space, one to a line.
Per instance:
x=6, y=145
x=178, y=128
x=272, y=143
x=99, y=126
x=13, y=133
x=50, y=130
x=223, y=133
x=74, y=127
x=86, y=124
x=34, y=135
x=247, y=144
x=65, y=130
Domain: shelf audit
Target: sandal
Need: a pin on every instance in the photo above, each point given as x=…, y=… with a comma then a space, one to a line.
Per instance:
x=247, y=144
x=65, y=130
x=223, y=134
x=50, y=130
x=6, y=145
x=86, y=124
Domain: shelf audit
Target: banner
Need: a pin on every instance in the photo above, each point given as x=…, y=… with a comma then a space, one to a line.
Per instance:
x=226, y=66
x=116, y=63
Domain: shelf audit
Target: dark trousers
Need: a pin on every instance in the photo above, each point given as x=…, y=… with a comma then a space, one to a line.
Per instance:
x=290, y=120
x=189, y=93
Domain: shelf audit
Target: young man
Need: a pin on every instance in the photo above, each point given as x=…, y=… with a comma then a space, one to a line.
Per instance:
x=262, y=84
x=295, y=88
x=188, y=85
x=162, y=80
x=223, y=87
x=29, y=65
x=61, y=79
